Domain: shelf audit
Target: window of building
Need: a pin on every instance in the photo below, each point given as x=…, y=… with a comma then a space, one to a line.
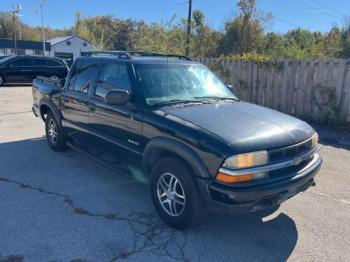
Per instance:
x=113, y=76
x=38, y=52
x=86, y=74
x=21, y=51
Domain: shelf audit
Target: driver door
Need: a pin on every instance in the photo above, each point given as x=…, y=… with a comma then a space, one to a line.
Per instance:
x=119, y=125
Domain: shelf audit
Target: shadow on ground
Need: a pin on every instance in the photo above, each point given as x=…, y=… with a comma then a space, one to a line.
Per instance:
x=79, y=196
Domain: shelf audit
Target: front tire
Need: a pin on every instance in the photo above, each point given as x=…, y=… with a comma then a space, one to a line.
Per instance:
x=2, y=80
x=175, y=194
x=54, y=135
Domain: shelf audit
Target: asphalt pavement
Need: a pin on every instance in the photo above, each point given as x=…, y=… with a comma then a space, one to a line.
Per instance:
x=66, y=207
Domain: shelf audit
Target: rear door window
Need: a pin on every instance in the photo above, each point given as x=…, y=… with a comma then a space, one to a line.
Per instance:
x=112, y=76
x=85, y=76
x=38, y=62
x=53, y=63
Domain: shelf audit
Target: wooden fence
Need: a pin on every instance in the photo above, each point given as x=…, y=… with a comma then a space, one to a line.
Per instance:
x=316, y=90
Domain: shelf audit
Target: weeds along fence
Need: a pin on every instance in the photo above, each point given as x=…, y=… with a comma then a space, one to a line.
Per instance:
x=316, y=90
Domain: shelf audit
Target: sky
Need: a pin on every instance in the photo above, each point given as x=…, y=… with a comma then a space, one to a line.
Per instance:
x=316, y=15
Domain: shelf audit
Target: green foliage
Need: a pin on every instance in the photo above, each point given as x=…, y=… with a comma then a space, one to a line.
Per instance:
x=244, y=36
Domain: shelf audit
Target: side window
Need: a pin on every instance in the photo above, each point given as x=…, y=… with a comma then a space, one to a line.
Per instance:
x=38, y=62
x=85, y=75
x=53, y=63
x=113, y=76
x=19, y=62
x=73, y=75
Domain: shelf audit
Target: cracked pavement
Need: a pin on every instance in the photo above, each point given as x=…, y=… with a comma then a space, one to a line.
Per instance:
x=65, y=207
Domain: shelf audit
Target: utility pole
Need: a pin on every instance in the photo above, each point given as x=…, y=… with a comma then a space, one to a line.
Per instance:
x=41, y=4
x=19, y=8
x=14, y=31
x=189, y=27
x=15, y=13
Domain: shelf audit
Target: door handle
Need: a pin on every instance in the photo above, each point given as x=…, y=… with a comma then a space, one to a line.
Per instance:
x=26, y=70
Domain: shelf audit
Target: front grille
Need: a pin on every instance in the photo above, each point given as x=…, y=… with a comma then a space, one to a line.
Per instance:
x=289, y=152
x=289, y=171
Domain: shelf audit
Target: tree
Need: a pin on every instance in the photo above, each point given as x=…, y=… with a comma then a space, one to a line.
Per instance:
x=245, y=32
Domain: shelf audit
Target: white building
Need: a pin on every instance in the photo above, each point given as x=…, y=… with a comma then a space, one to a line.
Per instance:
x=70, y=47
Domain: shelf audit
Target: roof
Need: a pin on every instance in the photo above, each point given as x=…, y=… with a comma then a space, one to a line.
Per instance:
x=141, y=60
x=24, y=44
x=140, y=56
x=57, y=40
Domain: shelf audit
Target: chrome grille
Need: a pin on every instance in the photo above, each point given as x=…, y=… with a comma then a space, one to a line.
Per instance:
x=289, y=152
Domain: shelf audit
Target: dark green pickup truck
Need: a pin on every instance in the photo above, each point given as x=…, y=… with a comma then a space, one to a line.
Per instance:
x=199, y=144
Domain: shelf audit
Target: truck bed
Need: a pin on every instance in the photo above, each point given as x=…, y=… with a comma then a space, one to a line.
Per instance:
x=44, y=88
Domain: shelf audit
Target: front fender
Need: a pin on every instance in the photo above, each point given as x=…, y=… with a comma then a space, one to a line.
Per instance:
x=178, y=148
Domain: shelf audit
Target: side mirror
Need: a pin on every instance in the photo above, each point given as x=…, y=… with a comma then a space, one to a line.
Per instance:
x=117, y=97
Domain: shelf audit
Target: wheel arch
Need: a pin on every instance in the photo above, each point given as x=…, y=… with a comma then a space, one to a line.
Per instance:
x=47, y=106
x=3, y=77
x=160, y=147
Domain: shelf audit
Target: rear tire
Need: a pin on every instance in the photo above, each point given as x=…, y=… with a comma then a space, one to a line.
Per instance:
x=54, y=135
x=175, y=194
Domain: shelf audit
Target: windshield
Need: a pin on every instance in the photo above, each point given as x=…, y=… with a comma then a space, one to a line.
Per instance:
x=179, y=83
x=5, y=59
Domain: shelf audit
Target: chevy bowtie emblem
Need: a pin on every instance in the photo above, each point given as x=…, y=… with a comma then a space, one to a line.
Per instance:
x=296, y=161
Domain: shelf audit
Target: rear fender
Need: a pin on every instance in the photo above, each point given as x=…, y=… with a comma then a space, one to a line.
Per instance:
x=48, y=103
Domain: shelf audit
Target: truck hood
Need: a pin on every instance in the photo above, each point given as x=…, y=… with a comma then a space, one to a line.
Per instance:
x=245, y=126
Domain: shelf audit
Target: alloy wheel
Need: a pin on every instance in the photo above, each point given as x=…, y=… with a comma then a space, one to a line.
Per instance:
x=171, y=194
x=52, y=131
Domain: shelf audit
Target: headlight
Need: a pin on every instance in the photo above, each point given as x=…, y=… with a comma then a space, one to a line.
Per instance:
x=314, y=140
x=246, y=160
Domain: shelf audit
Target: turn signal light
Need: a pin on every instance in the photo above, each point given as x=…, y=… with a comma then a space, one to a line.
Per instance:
x=222, y=177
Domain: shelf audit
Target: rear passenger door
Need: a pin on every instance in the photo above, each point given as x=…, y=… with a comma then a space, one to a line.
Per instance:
x=116, y=124
x=38, y=67
x=75, y=100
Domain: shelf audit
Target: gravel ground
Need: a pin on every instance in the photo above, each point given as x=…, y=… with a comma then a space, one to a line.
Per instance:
x=65, y=207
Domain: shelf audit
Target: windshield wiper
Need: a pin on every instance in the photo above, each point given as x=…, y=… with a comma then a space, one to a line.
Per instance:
x=177, y=101
x=216, y=98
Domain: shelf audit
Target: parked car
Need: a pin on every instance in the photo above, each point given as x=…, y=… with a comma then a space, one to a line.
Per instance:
x=24, y=69
x=199, y=144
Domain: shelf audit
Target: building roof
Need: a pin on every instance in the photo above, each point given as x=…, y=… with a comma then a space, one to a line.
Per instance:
x=24, y=44
x=57, y=40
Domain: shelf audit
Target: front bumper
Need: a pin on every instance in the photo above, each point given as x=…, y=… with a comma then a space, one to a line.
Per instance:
x=254, y=198
x=35, y=110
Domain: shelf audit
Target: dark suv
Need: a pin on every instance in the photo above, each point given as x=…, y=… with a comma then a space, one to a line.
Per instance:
x=24, y=69
x=199, y=144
